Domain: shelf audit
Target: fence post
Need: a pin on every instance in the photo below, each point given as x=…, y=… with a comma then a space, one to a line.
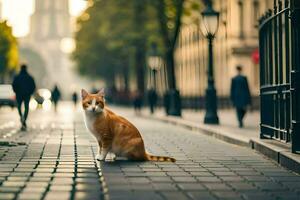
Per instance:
x=295, y=75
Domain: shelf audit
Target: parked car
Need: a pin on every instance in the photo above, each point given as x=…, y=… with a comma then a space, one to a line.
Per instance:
x=7, y=96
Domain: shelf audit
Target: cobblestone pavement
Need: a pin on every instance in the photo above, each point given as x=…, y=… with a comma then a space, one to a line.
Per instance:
x=55, y=160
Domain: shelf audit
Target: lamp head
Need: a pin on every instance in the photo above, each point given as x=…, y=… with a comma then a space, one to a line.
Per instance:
x=210, y=20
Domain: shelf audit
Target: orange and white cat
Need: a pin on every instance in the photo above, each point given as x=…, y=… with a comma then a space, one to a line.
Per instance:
x=115, y=135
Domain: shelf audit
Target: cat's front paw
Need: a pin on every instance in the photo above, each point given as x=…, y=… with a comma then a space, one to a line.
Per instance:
x=99, y=157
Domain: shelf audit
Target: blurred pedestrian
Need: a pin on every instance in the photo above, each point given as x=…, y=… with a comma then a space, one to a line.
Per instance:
x=240, y=95
x=152, y=99
x=55, y=95
x=94, y=90
x=137, y=102
x=166, y=100
x=75, y=99
x=24, y=87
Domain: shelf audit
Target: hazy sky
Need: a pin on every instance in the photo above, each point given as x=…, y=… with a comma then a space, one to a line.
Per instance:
x=17, y=12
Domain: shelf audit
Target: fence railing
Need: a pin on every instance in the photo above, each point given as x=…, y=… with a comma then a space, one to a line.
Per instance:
x=279, y=72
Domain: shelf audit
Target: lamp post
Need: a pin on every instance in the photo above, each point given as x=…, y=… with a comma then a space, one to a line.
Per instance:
x=210, y=20
x=154, y=62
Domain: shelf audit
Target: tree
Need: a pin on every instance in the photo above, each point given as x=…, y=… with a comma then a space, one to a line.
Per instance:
x=112, y=40
x=169, y=15
x=113, y=37
x=8, y=50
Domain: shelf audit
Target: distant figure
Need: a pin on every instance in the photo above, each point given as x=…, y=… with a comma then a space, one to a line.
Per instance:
x=24, y=87
x=152, y=99
x=240, y=95
x=75, y=99
x=137, y=102
x=166, y=99
x=55, y=95
x=94, y=90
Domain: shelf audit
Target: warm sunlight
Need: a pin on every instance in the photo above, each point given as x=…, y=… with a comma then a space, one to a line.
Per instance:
x=18, y=12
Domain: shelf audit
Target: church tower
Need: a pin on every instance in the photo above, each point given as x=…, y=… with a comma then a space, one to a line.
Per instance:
x=50, y=24
x=51, y=20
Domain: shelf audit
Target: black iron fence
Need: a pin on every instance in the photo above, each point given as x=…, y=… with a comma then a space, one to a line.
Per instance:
x=279, y=41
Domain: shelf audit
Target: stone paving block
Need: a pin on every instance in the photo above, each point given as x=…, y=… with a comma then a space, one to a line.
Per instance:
x=257, y=178
x=197, y=173
x=39, y=179
x=134, y=174
x=241, y=186
x=87, y=187
x=140, y=180
x=156, y=174
x=62, y=181
x=232, y=178
x=208, y=179
x=160, y=179
x=175, y=195
x=7, y=196
x=14, y=178
x=9, y=189
x=88, y=195
x=53, y=195
x=258, y=196
x=196, y=195
x=62, y=188
x=87, y=180
x=33, y=186
x=217, y=186
x=29, y=196
x=178, y=174
x=165, y=187
x=190, y=186
x=21, y=174
x=13, y=183
x=184, y=179
x=42, y=174
x=227, y=195
x=270, y=186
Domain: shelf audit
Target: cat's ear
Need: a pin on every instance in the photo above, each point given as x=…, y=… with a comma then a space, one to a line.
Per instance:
x=84, y=93
x=101, y=92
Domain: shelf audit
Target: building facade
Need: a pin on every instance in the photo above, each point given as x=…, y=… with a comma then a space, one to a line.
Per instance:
x=50, y=25
x=236, y=43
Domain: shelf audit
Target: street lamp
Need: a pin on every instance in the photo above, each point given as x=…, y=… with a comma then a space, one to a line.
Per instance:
x=154, y=62
x=210, y=20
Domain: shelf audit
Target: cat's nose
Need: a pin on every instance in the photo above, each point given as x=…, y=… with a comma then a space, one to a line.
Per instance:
x=94, y=108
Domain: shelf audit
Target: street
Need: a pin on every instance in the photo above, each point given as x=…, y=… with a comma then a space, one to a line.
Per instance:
x=55, y=159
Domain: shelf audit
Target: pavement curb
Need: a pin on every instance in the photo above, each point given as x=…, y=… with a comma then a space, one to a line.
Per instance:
x=273, y=149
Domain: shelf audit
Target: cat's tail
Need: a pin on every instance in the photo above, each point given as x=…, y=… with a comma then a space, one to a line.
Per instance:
x=160, y=158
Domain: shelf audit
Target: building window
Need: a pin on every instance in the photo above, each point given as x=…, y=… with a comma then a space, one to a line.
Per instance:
x=241, y=16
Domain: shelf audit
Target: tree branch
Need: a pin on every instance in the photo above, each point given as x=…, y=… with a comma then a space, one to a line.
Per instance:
x=179, y=11
x=161, y=14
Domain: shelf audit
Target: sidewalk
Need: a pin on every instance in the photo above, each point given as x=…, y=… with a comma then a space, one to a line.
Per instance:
x=57, y=161
x=229, y=131
x=228, y=124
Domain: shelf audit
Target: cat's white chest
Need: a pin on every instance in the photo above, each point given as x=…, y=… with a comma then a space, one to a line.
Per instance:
x=90, y=122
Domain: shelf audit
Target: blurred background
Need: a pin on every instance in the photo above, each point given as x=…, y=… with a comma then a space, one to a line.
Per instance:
x=130, y=47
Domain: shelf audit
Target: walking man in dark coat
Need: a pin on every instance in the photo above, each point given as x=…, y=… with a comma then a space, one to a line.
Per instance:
x=240, y=95
x=24, y=87
x=152, y=99
x=55, y=95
